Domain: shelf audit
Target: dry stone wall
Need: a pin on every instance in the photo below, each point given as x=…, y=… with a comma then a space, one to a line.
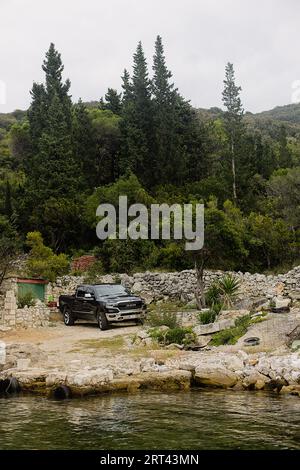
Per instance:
x=181, y=285
x=153, y=286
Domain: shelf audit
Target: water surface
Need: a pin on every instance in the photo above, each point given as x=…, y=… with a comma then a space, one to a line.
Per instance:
x=184, y=420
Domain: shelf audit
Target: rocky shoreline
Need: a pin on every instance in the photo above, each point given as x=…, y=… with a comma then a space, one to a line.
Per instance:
x=279, y=372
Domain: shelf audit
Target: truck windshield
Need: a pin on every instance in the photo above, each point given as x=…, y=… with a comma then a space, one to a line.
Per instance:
x=110, y=290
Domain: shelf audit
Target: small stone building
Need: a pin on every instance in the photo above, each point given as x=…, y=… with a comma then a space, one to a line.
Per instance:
x=28, y=317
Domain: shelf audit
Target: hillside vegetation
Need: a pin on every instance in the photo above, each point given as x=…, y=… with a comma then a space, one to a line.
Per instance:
x=59, y=160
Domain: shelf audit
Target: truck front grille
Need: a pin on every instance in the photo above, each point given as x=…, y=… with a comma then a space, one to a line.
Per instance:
x=130, y=305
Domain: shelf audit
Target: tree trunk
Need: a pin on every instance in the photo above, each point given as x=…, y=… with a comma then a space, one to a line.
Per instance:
x=233, y=171
x=199, y=293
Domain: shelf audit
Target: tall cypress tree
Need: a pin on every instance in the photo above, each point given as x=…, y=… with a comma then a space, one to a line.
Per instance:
x=163, y=90
x=233, y=120
x=137, y=129
x=52, y=174
x=127, y=87
x=53, y=68
x=176, y=144
x=37, y=113
x=84, y=148
x=165, y=118
x=112, y=101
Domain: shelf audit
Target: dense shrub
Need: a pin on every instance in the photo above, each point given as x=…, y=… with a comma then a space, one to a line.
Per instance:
x=207, y=316
x=176, y=335
x=42, y=261
x=166, y=318
x=94, y=272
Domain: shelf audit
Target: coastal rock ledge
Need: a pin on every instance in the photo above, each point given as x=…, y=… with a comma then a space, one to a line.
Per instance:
x=236, y=371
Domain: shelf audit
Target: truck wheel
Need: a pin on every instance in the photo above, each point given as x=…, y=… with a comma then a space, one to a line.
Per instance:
x=102, y=321
x=68, y=317
x=140, y=321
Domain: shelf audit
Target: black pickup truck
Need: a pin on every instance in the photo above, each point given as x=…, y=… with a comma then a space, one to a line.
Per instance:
x=103, y=303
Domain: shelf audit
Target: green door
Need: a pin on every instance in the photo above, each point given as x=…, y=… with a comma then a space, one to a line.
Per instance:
x=37, y=290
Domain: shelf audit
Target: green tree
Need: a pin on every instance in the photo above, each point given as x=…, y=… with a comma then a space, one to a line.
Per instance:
x=284, y=157
x=51, y=169
x=84, y=145
x=284, y=196
x=42, y=262
x=127, y=88
x=270, y=241
x=224, y=245
x=232, y=119
x=136, y=127
x=113, y=101
x=9, y=246
x=8, y=209
x=104, y=161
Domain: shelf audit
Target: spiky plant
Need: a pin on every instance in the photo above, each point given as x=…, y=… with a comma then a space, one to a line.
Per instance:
x=229, y=287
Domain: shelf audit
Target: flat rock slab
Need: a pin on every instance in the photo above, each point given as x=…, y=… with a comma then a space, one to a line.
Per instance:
x=215, y=377
x=213, y=327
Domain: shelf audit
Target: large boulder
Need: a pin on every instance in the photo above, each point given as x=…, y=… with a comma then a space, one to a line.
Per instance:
x=291, y=390
x=255, y=380
x=281, y=304
x=232, y=314
x=90, y=378
x=203, y=341
x=215, y=377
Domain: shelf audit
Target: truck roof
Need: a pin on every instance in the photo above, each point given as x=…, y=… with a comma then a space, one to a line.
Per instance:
x=103, y=284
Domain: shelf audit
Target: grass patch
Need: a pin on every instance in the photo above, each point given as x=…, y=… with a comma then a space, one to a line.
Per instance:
x=107, y=343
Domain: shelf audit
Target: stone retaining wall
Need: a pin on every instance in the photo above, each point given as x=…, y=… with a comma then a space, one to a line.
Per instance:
x=32, y=317
x=152, y=286
x=181, y=285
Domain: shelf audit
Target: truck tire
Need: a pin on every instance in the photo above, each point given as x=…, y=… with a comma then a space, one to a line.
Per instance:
x=102, y=321
x=140, y=321
x=68, y=317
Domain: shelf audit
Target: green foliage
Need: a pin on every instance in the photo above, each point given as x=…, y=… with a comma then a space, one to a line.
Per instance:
x=176, y=335
x=228, y=287
x=208, y=316
x=26, y=300
x=60, y=160
x=232, y=335
x=42, y=262
x=160, y=318
x=94, y=272
x=212, y=295
x=9, y=246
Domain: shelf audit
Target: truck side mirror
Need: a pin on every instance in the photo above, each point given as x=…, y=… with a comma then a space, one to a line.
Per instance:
x=88, y=295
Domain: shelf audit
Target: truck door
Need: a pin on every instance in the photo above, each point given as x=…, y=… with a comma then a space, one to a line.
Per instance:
x=90, y=304
x=81, y=305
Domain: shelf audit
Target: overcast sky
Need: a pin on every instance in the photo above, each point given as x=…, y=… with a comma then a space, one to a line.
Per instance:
x=97, y=39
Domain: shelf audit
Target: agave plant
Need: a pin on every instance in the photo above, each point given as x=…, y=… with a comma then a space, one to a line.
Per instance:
x=229, y=287
x=212, y=295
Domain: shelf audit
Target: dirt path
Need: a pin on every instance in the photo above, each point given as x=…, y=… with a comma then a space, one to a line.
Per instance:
x=82, y=345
